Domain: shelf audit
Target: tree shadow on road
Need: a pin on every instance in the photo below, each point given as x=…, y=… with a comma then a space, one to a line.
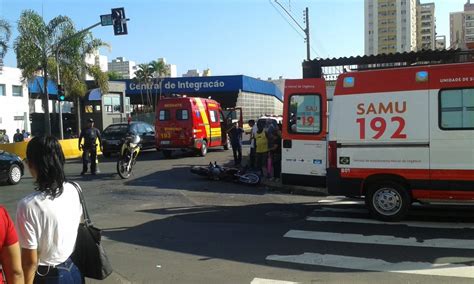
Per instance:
x=239, y=233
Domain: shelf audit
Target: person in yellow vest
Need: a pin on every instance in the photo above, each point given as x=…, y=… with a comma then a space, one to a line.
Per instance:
x=261, y=149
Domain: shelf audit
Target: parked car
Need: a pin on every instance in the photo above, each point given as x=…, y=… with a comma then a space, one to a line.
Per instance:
x=113, y=135
x=11, y=168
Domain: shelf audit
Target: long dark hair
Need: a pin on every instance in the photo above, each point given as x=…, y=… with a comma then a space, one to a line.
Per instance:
x=46, y=156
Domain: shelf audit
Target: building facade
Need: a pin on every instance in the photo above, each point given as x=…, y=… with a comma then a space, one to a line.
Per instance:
x=170, y=69
x=97, y=59
x=14, y=102
x=390, y=26
x=125, y=68
x=440, y=42
x=426, y=26
x=461, y=27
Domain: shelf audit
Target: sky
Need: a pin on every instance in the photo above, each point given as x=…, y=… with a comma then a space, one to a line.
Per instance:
x=231, y=37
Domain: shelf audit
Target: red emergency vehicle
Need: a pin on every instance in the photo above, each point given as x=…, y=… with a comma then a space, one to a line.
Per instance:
x=190, y=123
x=396, y=136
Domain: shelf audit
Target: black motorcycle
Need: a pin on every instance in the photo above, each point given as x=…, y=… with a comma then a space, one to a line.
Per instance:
x=216, y=172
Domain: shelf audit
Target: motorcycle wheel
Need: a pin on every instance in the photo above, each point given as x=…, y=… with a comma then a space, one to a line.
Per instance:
x=121, y=169
x=250, y=179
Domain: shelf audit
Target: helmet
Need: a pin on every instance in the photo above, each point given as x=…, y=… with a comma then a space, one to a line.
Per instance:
x=135, y=139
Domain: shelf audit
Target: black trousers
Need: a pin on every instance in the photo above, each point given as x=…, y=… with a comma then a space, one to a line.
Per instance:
x=89, y=154
x=252, y=157
x=237, y=151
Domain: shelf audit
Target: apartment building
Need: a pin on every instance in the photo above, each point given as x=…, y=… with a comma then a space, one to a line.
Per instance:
x=390, y=26
x=95, y=58
x=426, y=26
x=461, y=27
x=14, y=101
x=125, y=68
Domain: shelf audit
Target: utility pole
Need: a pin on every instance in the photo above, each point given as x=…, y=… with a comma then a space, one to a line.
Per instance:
x=305, y=30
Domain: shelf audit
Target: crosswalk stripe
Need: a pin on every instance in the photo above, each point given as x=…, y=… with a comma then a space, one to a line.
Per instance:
x=405, y=223
x=341, y=202
x=380, y=240
x=369, y=264
x=270, y=281
x=341, y=210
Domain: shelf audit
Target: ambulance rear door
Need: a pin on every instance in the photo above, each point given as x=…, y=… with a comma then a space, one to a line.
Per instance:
x=304, y=148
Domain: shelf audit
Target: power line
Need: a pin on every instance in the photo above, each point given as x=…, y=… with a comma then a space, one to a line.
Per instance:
x=286, y=20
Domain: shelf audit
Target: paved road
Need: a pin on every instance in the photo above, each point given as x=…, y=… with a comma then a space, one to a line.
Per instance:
x=165, y=225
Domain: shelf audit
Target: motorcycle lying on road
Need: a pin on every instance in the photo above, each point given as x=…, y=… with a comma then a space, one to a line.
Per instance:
x=128, y=156
x=216, y=172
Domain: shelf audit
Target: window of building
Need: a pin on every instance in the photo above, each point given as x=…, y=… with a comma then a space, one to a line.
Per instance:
x=112, y=103
x=456, y=109
x=182, y=114
x=2, y=90
x=164, y=115
x=305, y=114
x=213, y=115
x=17, y=91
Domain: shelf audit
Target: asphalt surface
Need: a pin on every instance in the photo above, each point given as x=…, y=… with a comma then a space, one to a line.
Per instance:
x=165, y=225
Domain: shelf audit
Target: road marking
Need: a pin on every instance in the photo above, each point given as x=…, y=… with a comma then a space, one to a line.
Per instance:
x=380, y=240
x=340, y=202
x=341, y=210
x=370, y=264
x=404, y=223
x=270, y=281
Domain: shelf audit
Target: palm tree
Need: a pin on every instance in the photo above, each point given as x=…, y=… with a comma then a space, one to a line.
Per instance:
x=41, y=47
x=5, y=33
x=144, y=75
x=159, y=71
x=73, y=68
x=35, y=49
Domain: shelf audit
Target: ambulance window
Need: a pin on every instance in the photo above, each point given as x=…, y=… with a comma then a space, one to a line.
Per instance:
x=164, y=115
x=182, y=114
x=457, y=109
x=213, y=115
x=305, y=114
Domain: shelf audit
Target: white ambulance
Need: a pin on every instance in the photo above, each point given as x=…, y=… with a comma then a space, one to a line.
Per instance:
x=396, y=136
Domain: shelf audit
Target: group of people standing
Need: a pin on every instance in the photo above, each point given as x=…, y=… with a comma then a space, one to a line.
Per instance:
x=265, y=147
x=39, y=249
x=18, y=137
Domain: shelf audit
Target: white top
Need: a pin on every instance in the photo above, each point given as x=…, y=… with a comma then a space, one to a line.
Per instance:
x=49, y=225
x=252, y=135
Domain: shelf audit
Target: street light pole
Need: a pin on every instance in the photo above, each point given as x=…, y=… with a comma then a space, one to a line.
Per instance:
x=61, y=132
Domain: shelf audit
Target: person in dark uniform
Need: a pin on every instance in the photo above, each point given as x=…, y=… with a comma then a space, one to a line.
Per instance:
x=89, y=149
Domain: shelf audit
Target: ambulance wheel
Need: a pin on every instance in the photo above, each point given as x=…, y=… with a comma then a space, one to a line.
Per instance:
x=167, y=153
x=388, y=201
x=227, y=144
x=203, y=150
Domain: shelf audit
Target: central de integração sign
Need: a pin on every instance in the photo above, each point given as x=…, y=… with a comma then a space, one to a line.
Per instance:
x=186, y=85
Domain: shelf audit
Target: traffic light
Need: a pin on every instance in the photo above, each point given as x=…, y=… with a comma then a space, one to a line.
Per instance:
x=61, y=95
x=119, y=21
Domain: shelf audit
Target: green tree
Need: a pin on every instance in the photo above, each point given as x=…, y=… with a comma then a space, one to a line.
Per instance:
x=42, y=47
x=73, y=68
x=144, y=75
x=159, y=71
x=5, y=33
x=113, y=75
x=35, y=49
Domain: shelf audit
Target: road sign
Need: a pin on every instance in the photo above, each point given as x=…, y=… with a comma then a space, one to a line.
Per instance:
x=106, y=20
